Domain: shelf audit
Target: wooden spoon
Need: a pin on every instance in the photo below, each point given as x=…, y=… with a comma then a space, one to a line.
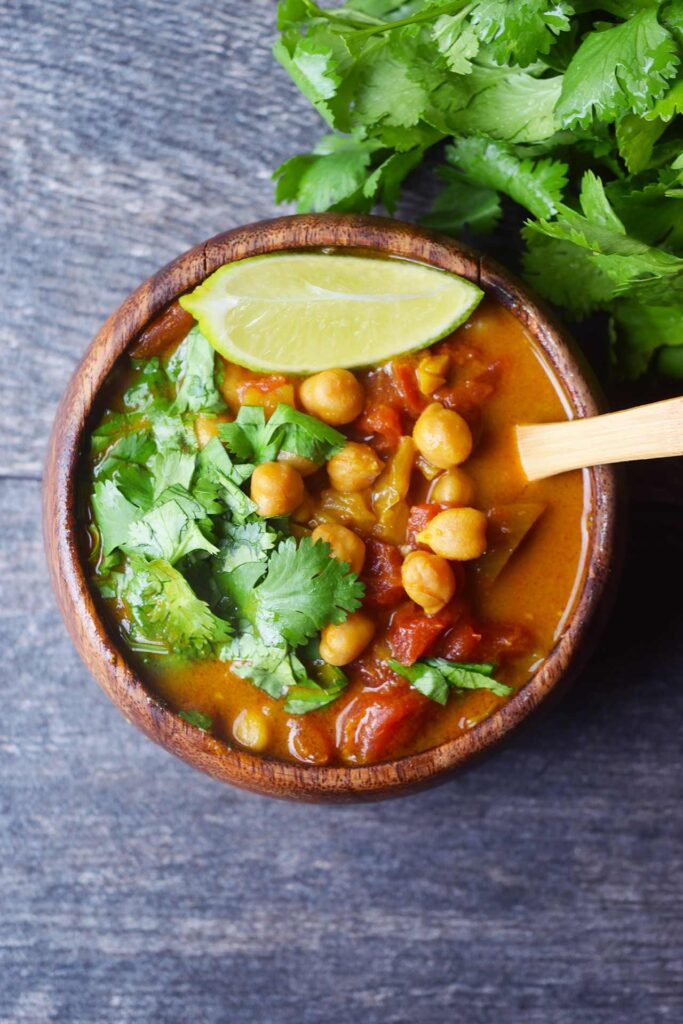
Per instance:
x=648, y=432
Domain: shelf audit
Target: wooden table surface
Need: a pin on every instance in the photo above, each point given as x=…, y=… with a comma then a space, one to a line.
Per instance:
x=544, y=887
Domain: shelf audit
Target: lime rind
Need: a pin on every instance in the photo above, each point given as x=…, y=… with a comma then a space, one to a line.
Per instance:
x=301, y=313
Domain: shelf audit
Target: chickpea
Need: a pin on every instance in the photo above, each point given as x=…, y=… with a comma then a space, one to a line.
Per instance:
x=354, y=468
x=442, y=436
x=276, y=488
x=428, y=580
x=454, y=487
x=458, y=533
x=250, y=729
x=346, y=545
x=305, y=466
x=334, y=396
x=343, y=643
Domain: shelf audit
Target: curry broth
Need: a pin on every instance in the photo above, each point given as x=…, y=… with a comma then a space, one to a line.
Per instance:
x=536, y=589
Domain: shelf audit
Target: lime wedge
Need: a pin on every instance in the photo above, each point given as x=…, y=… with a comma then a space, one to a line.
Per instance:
x=300, y=313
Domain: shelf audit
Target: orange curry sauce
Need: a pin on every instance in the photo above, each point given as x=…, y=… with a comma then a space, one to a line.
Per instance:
x=509, y=607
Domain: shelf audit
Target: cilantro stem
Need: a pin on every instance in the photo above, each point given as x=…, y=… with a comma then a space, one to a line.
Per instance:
x=416, y=19
x=339, y=19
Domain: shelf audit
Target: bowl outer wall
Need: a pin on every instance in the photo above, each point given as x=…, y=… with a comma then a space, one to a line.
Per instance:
x=91, y=635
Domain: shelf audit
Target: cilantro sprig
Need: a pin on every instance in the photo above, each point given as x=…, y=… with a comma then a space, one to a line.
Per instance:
x=539, y=105
x=180, y=548
x=256, y=440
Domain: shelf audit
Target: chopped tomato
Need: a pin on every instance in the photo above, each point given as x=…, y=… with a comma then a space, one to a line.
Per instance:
x=503, y=640
x=383, y=421
x=374, y=723
x=468, y=397
x=461, y=643
x=411, y=397
x=373, y=671
x=420, y=516
x=382, y=574
x=412, y=631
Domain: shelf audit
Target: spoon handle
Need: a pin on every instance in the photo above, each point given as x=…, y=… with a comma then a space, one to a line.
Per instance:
x=647, y=432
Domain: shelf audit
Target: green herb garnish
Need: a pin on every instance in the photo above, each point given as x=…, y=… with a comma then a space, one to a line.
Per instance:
x=180, y=548
x=252, y=439
x=197, y=718
x=435, y=677
x=571, y=111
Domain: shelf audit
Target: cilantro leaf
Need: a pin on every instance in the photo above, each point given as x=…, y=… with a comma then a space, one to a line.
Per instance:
x=467, y=676
x=133, y=446
x=114, y=514
x=191, y=368
x=387, y=88
x=565, y=273
x=650, y=214
x=171, y=432
x=670, y=104
x=167, y=617
x=618, y=70
x=305, y=435
x=114, y=425
x=517, y=33
x=249, y=436
x=218, y=482
x=434, y=676
x=335, y=172
x=457, y=41
x=463, y=204
x=245, y=542
x=149, y=390
x=317, y=63
x=641, y=330
x=172, y=468
x=271, y=667
x=423, y=677
x=384, y=183
x=311, y=695
x=507, y=104
x=636, y=137
x=169, y=530
x=628, y=264
x=537, y=185
x=197, y=718
x=304, y=590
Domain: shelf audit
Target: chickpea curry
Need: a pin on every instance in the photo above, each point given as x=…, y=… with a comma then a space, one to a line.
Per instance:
x=333, y=568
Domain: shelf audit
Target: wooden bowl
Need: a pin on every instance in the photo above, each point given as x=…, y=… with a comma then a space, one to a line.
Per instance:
x=100, y=649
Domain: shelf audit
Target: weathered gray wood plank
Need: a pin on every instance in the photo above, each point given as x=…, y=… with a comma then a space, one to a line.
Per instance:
x=542, y=887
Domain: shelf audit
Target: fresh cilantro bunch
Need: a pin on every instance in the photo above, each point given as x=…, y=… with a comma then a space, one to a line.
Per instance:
x=570, y=110
x=179, y=547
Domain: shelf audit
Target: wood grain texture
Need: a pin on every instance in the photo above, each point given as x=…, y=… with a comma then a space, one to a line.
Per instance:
x=542, y=887
x=653, y=431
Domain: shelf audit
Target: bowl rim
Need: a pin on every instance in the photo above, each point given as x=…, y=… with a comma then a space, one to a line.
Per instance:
x=91, y=636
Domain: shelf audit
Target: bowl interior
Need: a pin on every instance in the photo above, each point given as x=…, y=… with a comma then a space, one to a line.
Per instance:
x=101, y=652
